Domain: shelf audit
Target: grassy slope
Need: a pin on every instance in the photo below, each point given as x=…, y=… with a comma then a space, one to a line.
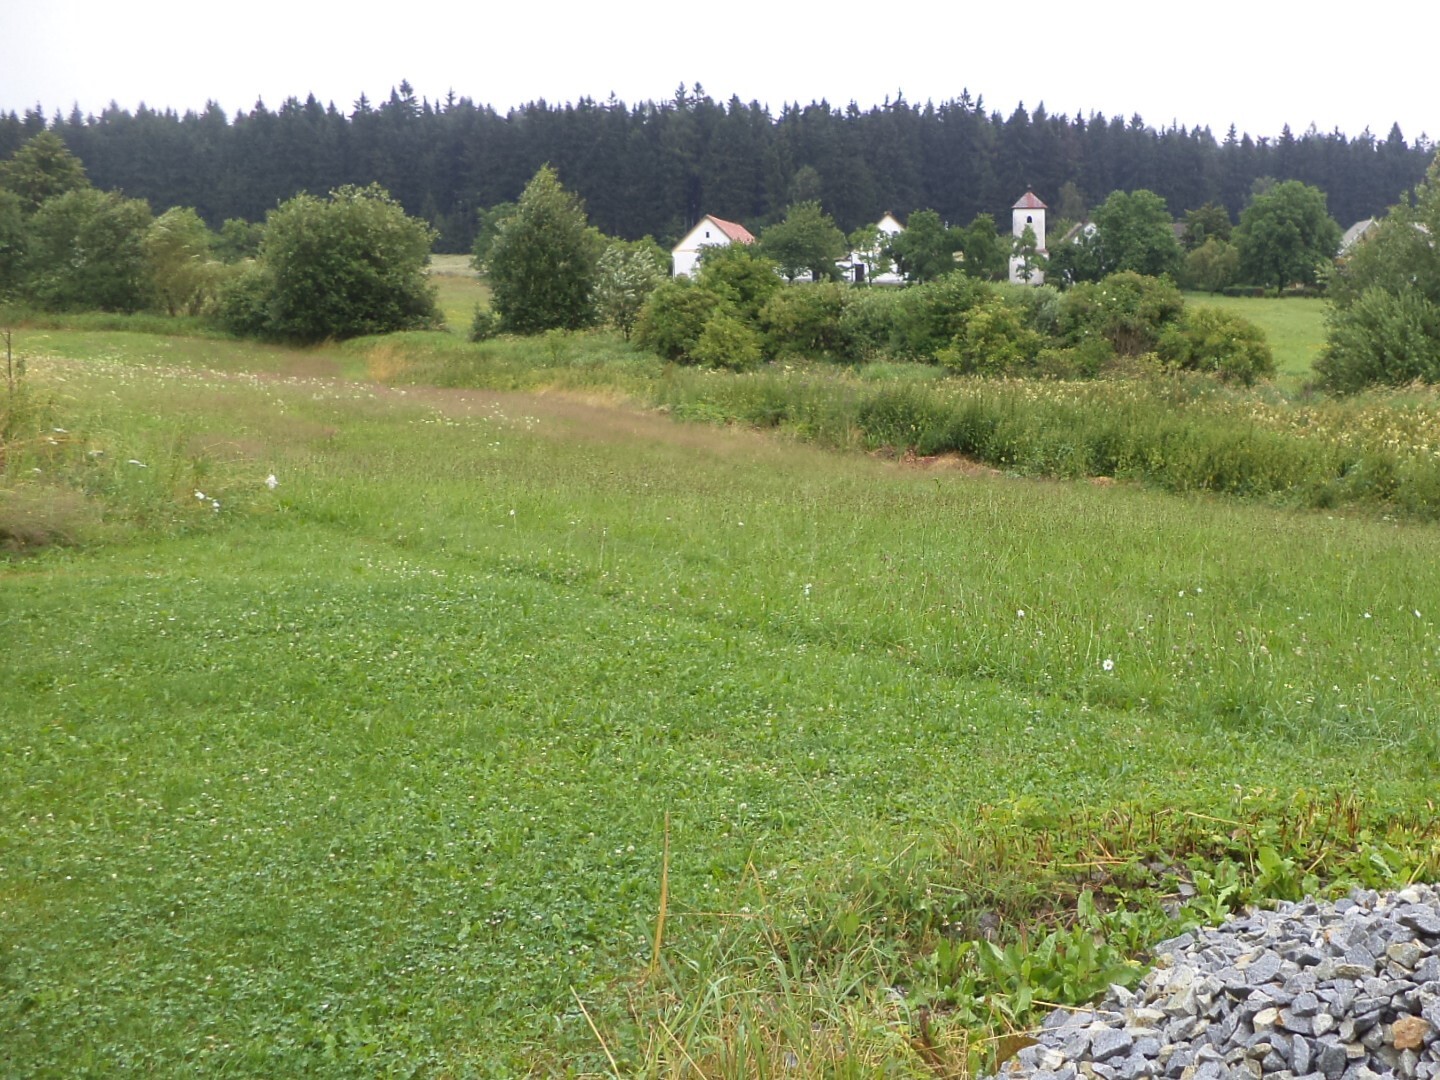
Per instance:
x=373, y=774
x=1295, y=327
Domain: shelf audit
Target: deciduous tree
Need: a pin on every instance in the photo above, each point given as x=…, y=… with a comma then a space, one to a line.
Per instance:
x=926, y=249
x=1286, y=235
x=542, y=263
x=806, y=242
x=85, y=249
x=1135, y=233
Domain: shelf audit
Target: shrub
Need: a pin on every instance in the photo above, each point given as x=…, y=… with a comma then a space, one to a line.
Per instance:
x=484, y=325
x=870, y=323
x=241, y=305
x=809, y=320
x=673, y=319
x=728, y=342
x=1383, y=337
x=742, y=276
x=1208, y=339
x=993, y=340
x=351, y=264
x=931, y=315
x=1128, y=310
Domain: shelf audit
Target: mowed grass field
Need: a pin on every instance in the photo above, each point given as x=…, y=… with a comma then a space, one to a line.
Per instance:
x=392, y=769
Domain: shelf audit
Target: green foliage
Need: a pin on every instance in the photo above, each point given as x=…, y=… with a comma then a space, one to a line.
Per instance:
x=993, y=340
x=42, y=169
x=985, y=255
x=871, y=322
x=484, y=324
x=1286, y=236
x=1381, y=337
x=183, y=275
x=1385, y=323
x=808, y=320
x=1209, y=339
x=1210, y=222
x=1212, y=266
x=13, y=231
x=926, y=249
x=929, y=316
x=1078, y=259
x=238, y=240
x=350, y=264
x=673, y=318
x=1135, y=233
x=490, y=223
x=727, y=342
x=1128, y=310
x=740, y=275
x=542, y=263
x=86, y=249
x=626, y=274
x=806, y=243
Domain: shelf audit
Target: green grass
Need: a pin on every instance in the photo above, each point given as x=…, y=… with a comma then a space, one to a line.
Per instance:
x=369, y=774
x=459, y=290
x=1294, y=326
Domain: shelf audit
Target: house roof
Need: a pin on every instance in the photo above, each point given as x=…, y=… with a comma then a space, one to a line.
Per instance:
x=1029, y=201
x=738, y=234
x=1356, y=232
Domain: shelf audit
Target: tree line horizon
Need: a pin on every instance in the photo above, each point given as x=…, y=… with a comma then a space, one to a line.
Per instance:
x=654, y=168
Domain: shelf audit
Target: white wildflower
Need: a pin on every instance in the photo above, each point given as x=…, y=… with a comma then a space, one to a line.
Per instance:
x=271, y=482
x=1108, y=664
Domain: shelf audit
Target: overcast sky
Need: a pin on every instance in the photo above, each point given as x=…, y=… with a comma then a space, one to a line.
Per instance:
x=1256, y=65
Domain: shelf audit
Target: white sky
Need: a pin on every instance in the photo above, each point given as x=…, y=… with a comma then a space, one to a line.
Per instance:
x=1255, y=64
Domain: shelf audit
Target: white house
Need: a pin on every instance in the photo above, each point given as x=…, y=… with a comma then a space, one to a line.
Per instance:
x=860, y=265
x=1028, y=211
x=710, y=231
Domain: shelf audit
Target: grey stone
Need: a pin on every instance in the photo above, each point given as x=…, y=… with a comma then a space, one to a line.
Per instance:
x=1109, y=1043
x=1300, y=1054
x=1423, y=920
x=1146, y=1046
x=1331, y=1060
x=1263, y=969
x=1305, y=1004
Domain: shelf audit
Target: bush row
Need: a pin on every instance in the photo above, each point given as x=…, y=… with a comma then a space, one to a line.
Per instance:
x=738, y=314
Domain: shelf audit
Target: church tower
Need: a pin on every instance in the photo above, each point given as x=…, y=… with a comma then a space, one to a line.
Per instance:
x=1028, y=211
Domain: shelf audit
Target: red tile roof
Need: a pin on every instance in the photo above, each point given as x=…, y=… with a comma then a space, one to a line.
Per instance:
x=1028, y=201
x=737, y=233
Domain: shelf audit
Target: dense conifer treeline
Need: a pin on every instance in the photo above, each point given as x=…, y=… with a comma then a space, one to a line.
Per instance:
x=654, y=168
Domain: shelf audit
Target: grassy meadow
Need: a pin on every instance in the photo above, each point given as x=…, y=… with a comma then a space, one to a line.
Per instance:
x=404, y=765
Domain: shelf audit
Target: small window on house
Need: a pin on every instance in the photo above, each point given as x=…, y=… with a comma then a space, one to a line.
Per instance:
x=707, y=234
x=1029, y=220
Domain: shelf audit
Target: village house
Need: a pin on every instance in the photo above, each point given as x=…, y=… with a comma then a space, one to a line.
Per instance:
x=710, y=231
x=860, y=266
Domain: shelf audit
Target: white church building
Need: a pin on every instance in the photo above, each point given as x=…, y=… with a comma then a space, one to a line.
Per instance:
x=1029, y=210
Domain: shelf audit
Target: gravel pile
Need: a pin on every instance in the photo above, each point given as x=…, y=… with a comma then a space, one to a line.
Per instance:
x=1320, y=991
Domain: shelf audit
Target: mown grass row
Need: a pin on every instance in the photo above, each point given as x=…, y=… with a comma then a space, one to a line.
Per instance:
x=1182, y=433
